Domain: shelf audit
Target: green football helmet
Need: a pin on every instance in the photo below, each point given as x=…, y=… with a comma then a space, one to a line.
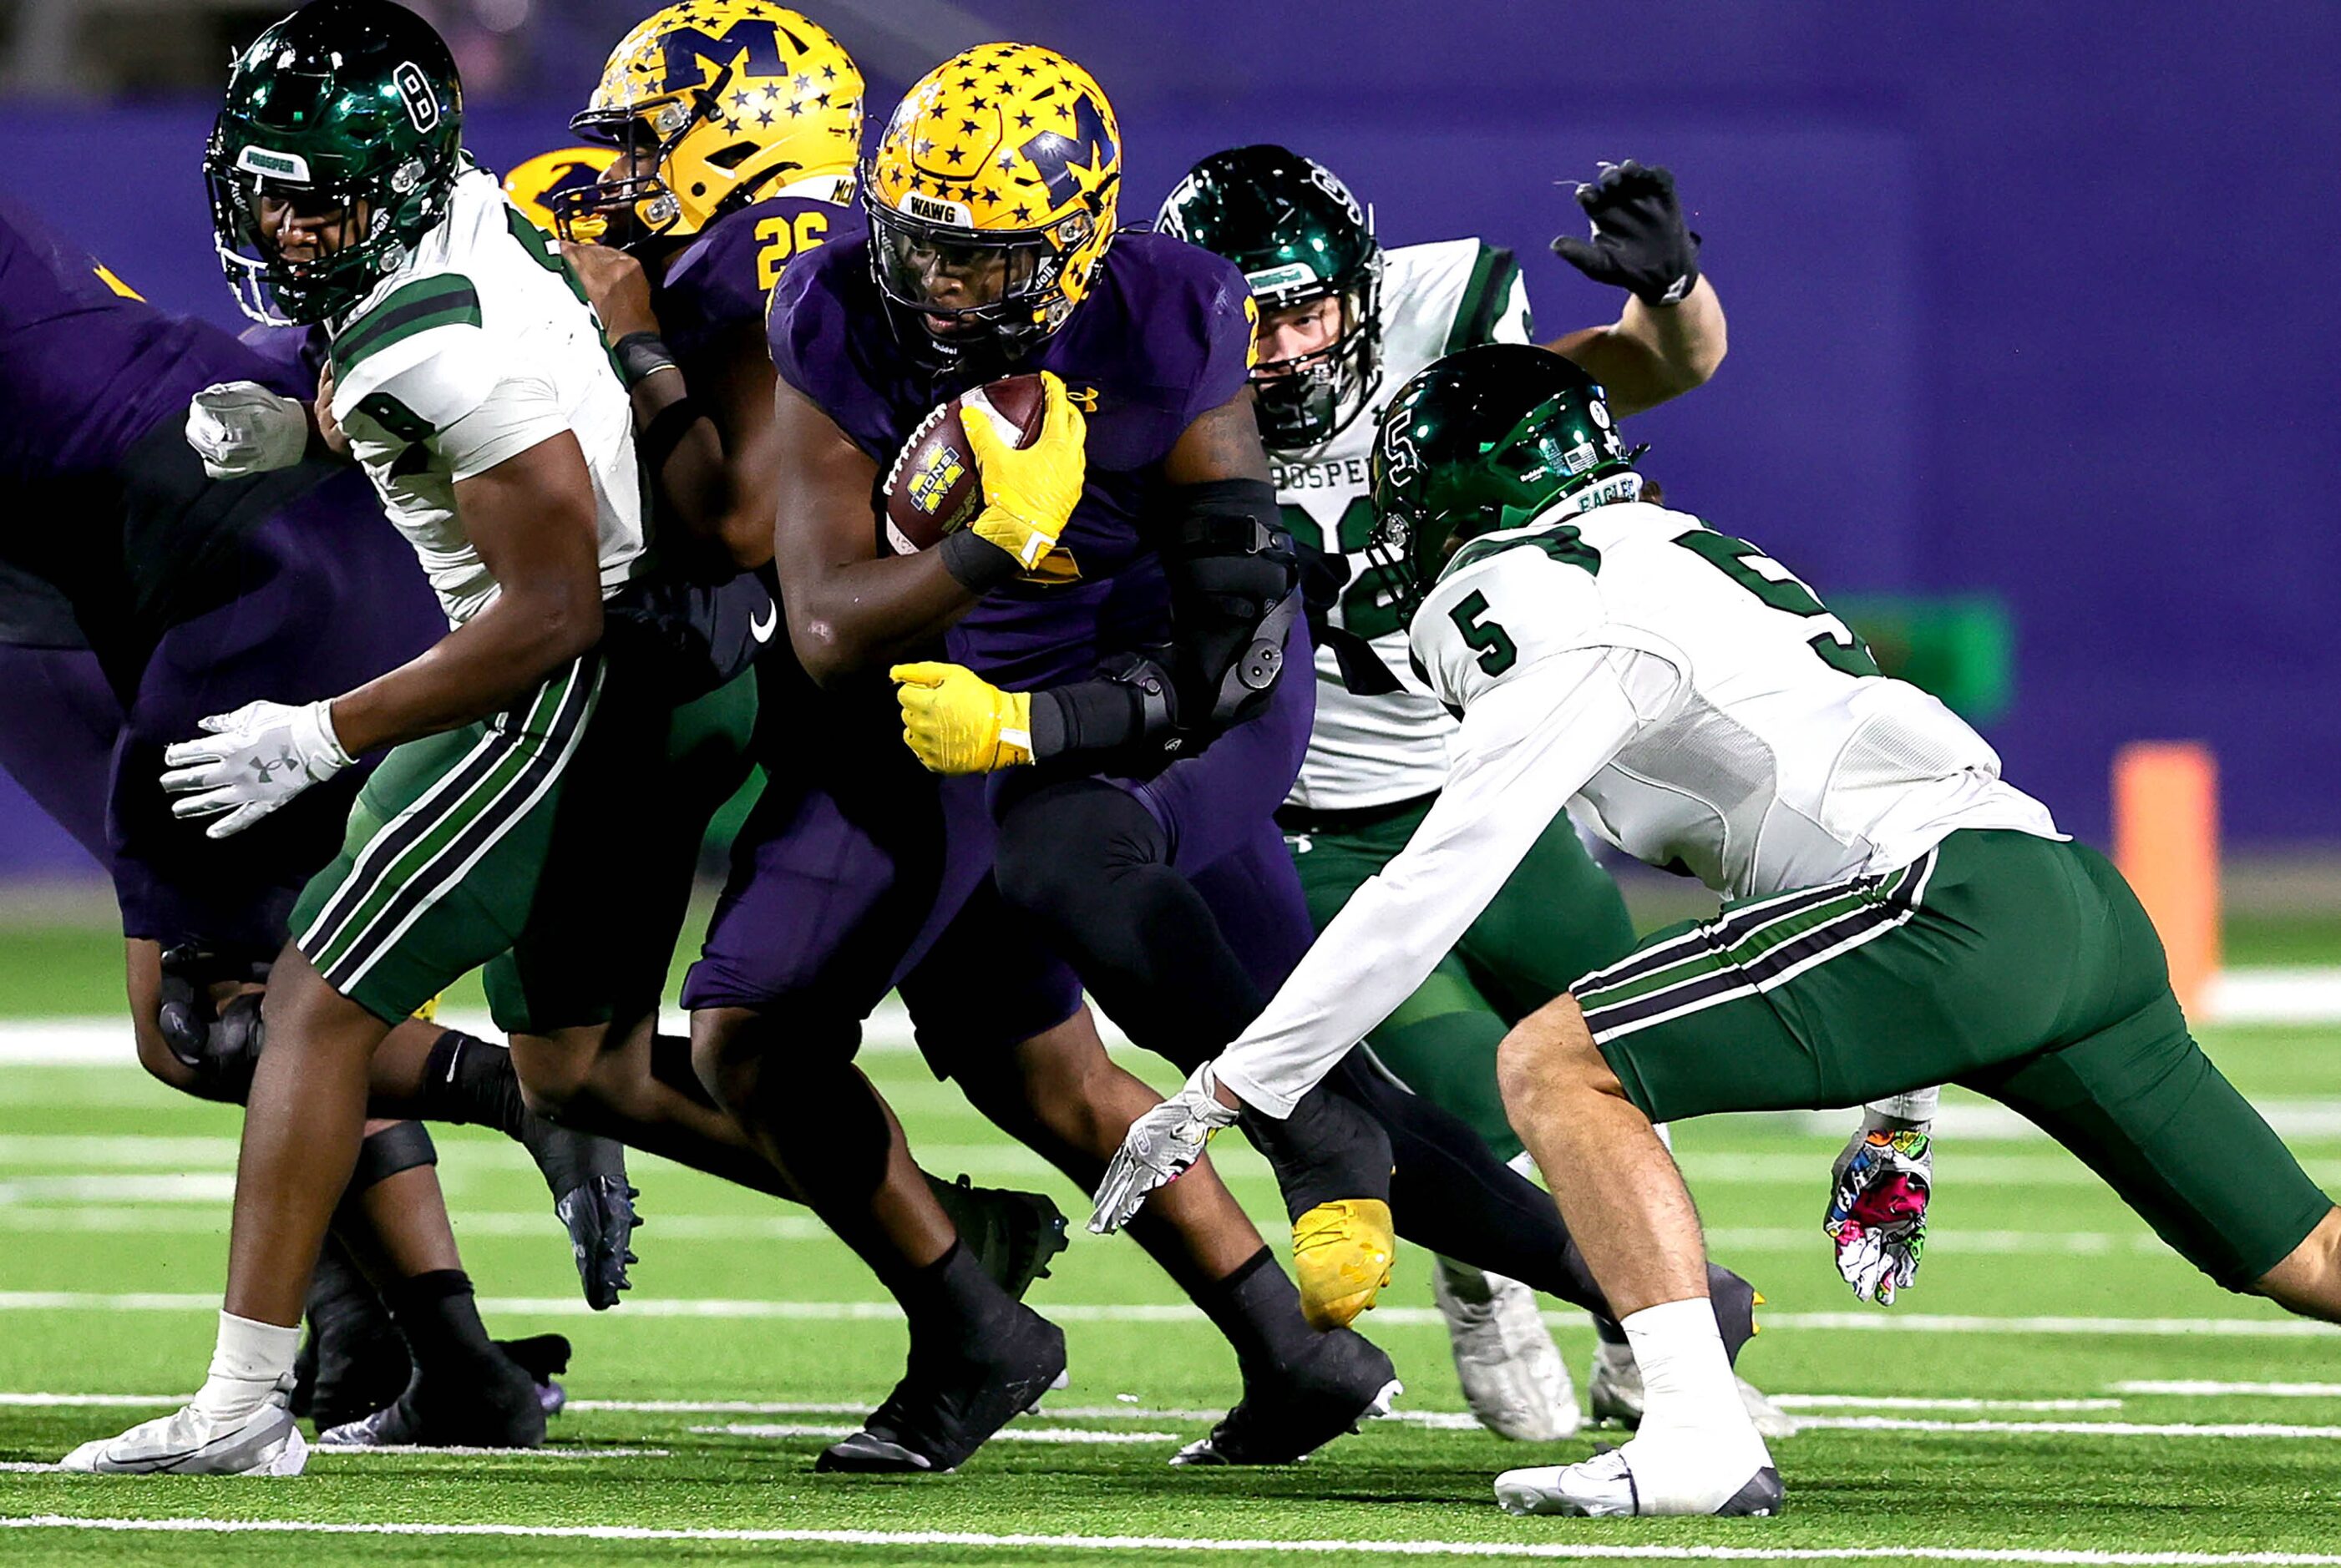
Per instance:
x=1491, y=438
x=352, y=103
x=1298, y=236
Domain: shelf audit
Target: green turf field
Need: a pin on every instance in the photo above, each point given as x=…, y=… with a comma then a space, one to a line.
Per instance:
x=1992, y=1412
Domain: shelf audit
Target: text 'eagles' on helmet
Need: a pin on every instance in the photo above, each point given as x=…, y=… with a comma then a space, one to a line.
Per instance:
x=1302, y=241
x=712, y=104
x=1490, y=438
x=991, y=197
x=349, y=112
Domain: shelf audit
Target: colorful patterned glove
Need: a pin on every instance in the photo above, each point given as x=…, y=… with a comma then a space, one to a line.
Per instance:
x=1878, y=1210
x=959, y=722
x=1028, y=494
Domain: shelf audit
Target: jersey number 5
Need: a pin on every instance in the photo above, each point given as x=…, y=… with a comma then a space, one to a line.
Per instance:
x=1498, y=652
x=1738, y=559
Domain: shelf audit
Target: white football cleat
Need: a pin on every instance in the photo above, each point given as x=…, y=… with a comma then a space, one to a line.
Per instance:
x=1677, y=1473
x=191, y=1442
x=1512, y=1374
x=1616, y=1395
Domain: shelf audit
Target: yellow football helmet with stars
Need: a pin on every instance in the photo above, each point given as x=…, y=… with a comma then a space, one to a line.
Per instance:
x=991, y=196
x=712, y=104
x=532, y=186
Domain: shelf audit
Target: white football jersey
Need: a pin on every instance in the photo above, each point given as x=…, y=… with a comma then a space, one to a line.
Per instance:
x=1377, y=751
x=1678, y=692
x=1782, y=759
x=477, y=350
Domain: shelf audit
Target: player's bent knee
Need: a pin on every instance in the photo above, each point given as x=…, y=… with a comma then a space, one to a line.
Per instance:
x=2308, y=1281
x=1550, y=1049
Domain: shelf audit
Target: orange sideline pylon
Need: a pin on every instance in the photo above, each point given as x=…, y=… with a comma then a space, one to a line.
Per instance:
x=2166, y=843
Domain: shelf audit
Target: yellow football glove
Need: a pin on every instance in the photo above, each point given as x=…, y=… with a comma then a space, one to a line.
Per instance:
x=959, y=722
x=1029, y=494
x=1341, y=1257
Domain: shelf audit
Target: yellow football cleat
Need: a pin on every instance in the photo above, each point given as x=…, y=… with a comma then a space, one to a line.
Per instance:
x=1342, y=1252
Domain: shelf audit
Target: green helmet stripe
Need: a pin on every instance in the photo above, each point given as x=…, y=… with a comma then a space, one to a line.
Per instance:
x=445, y=301
x=1483, y=298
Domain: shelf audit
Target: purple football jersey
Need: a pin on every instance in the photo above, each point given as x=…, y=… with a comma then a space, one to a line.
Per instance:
x=85, y=370
x=1162, y=338
x=722, y=280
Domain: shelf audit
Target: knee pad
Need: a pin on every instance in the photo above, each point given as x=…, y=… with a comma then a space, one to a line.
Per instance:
x=400, y=1146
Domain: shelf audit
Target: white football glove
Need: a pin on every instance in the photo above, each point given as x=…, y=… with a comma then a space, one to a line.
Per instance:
x=1159, y=1149
x=249, y=762
x=240, y=428
x=1876, y=1212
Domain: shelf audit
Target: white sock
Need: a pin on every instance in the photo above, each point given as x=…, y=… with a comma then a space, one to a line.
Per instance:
x=1686, y=1379
x=246, y=1365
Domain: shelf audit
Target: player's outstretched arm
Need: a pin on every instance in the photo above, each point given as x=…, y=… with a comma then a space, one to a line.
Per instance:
x=848, y=607
x=1672, y=335
x=532, y=519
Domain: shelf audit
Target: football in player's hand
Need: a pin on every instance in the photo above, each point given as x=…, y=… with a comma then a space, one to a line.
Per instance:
x=933, y=488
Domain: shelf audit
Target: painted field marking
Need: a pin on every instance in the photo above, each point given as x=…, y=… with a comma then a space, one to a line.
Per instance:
x=1182, y=1313
x=2197, y=1388
x=1009, y=1434
x=213, y=1190
x=1900, y=1401
x=392, y=1450
x=1178, y=1544
x=196, y=1205
x=2066, y=1428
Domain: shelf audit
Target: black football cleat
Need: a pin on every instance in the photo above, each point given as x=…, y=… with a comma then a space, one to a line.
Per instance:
x=950, y=1402
x=543, y=1356
x=482, y=1404
x=1287, y=1412
x=1011, y=1234
x=353, y=1361
x=587, y=1176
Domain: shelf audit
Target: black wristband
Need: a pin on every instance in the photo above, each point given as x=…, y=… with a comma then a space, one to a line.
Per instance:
x=1048, y=725
x=641, y=355
x=975, y=562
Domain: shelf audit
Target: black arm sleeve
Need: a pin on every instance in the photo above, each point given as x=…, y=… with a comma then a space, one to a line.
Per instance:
x=1235, y=580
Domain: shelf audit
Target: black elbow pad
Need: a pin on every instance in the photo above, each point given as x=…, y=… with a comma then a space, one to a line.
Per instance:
x=1235, y=591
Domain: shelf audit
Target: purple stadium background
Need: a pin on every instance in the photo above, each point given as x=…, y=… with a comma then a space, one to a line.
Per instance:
x=2025, y=300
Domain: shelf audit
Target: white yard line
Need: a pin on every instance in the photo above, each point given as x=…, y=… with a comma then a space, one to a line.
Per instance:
x=516, y=1456
x=2198, y=1389
x=2285, y=995
x=1175, y=1546
x=1181, y=1313
x=1900, y=1401
x=2066, y=1428
x=1009, y=1434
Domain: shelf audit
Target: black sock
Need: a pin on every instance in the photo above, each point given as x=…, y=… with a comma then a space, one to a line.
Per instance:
x=1329, y=1147
x=949, y=1299
x=441, y=1320
x=1258, y=1310
x=472, y=1083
